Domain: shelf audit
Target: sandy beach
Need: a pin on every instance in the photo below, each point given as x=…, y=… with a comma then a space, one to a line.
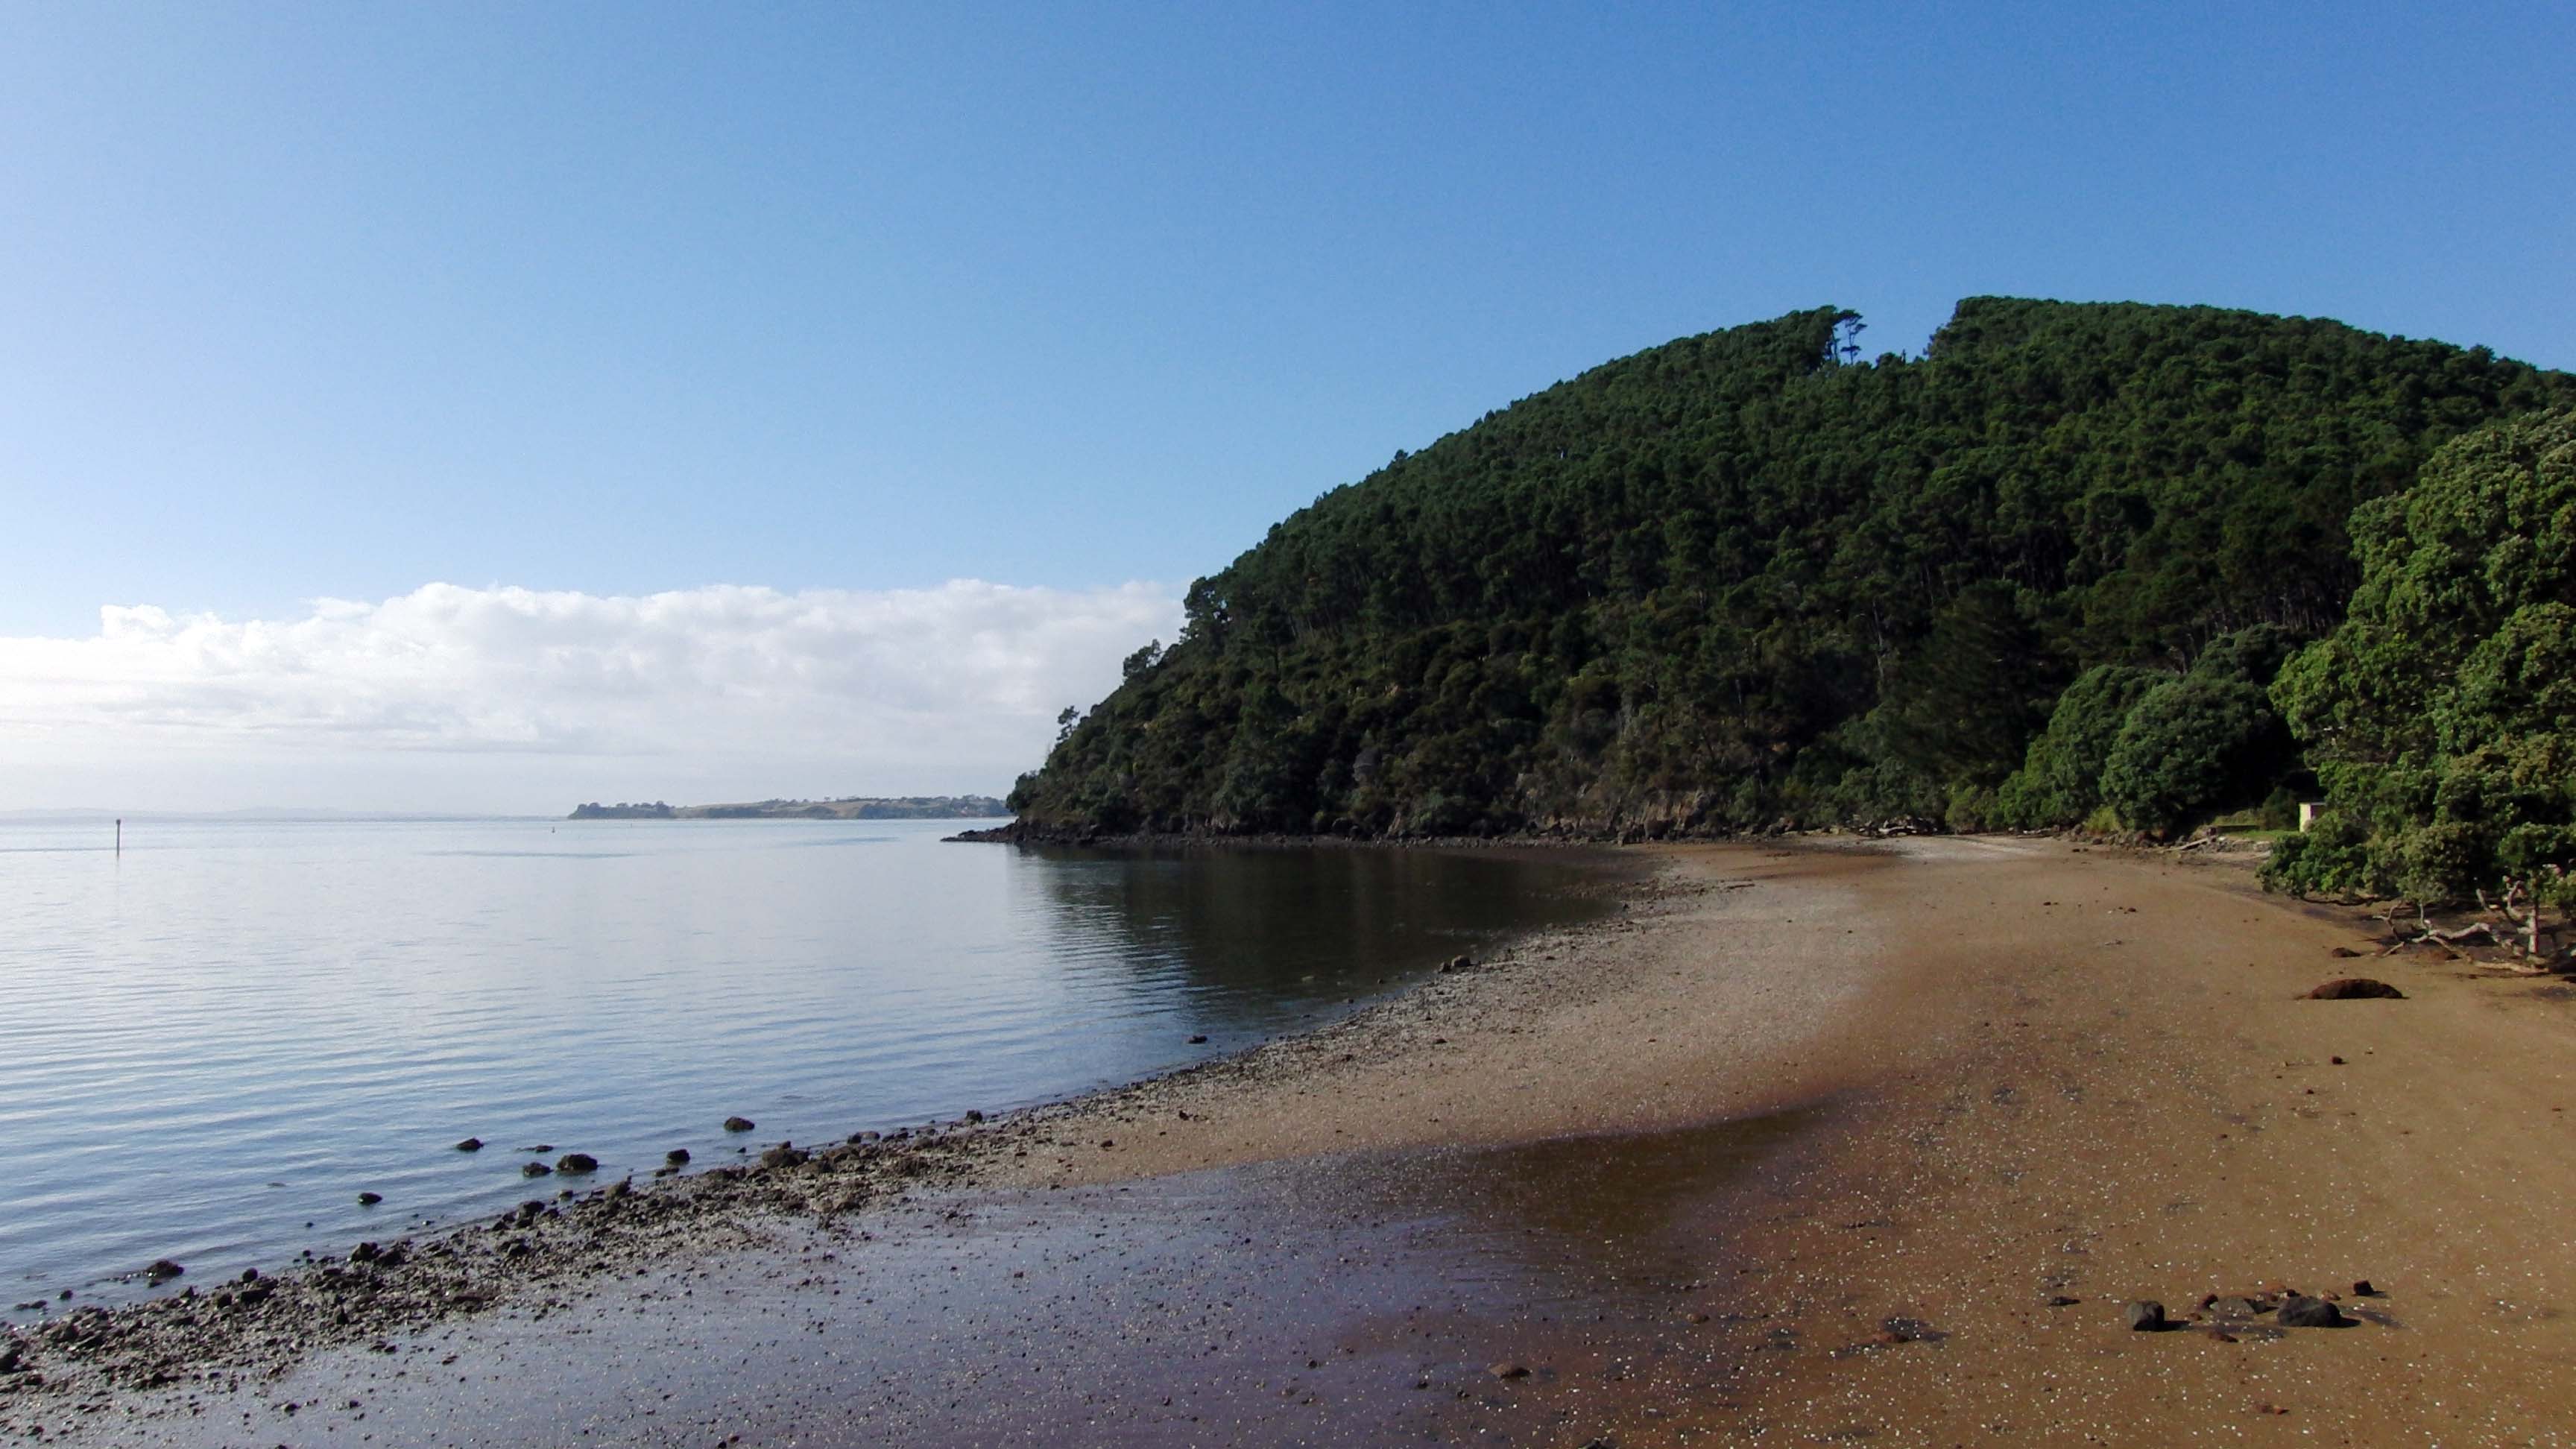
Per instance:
x=1815, y=1141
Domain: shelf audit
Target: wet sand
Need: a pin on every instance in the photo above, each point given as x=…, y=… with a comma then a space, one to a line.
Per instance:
x=1801, y=1148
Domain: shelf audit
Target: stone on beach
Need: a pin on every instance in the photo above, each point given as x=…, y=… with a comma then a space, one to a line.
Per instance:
x=2304, y=1312
x=470, y=1144
x=161, y=1271
x=535, y=1169
x=2144, y=1316
x=577, y=1162
x=370, y=1199
x=739, y=1124
x=2355, y=988
x=677, y=1157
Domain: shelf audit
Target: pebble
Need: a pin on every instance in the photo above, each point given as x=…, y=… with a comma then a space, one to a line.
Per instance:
x=739, y=1124
x=535, y=1169
x=2144, y=1316
x=470, y=1144
x=1508, y=1370
x=677, y=1157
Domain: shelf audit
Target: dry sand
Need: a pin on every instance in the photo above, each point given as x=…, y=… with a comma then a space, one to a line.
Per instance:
x=1803, y=1147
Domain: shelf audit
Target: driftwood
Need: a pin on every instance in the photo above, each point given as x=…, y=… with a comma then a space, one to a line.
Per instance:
x=2531, y=962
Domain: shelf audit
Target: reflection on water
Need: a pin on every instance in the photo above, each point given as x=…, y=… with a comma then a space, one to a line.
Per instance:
x=228, y=1032
x=1264, y=934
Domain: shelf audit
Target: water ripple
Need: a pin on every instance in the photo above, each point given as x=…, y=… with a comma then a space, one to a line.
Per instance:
x=211, y=1044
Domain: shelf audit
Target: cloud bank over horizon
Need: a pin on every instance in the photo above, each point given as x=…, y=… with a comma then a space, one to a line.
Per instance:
x=523, y=700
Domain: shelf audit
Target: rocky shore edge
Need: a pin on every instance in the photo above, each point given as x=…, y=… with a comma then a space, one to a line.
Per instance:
x=258, y=1325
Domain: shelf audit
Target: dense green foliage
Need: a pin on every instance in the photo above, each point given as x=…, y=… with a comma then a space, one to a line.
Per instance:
x=1732, y=581
x=2441, y=715
x=2060, y=781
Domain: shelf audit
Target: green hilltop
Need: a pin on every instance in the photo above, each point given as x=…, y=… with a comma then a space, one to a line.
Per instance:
x=2048, y=569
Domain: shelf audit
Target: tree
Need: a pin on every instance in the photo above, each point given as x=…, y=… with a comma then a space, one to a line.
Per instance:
x=2442, y=714
x=2060, y=779
x=1742, y=578
x=2192, y=747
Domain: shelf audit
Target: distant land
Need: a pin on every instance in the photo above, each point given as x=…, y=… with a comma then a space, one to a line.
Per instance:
x=854, y=807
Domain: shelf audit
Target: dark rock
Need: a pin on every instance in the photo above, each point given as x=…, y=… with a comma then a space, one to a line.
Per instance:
x=2361, y=1289
x=1508, y=1370
x=974, y=1116
x=1198, y=1039
x=576, y=1162
x=2336, y=1061
x=2060, y=1300
x=739, y=1124
x=470, y=1144
x=623, y=1187
x=161, y=1271
x=677, y=1157
x=370, y=1199
x=783, y=1155
x=2355, y=988
x=535, y=1169
x=540, y=1147
x=2305, y=1312
x=2144, y=1316
x=2345, y=953
x=364, y=1253
x=1458, y=963
x=249, y=1275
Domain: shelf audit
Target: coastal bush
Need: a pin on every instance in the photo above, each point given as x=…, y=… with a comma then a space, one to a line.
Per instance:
x=1971, y=810
x=2191, y=747
x=1736, y=580
x=2060, y=779
x=2441, y=715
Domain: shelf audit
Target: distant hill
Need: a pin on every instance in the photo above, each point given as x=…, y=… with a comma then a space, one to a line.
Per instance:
x=855, y=807
x=1749, y=579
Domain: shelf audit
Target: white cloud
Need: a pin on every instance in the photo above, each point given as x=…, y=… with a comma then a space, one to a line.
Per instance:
x=751, y=689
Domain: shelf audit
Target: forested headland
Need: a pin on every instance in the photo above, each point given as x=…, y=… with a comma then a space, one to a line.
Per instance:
x=2050, y=572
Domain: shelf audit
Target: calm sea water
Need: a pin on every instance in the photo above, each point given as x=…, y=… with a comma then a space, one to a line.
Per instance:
x=210, y=1045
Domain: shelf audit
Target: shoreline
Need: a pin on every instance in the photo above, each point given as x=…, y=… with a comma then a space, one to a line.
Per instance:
x=2001, y=1088
x=264, y=1321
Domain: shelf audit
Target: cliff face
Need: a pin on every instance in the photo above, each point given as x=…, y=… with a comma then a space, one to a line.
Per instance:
x=1745, y=579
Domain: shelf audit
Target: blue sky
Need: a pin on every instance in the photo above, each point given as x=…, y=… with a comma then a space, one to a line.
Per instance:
x=324, y=301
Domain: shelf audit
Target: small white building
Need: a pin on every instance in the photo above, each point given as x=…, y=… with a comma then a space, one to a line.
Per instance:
x=2309, y=810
